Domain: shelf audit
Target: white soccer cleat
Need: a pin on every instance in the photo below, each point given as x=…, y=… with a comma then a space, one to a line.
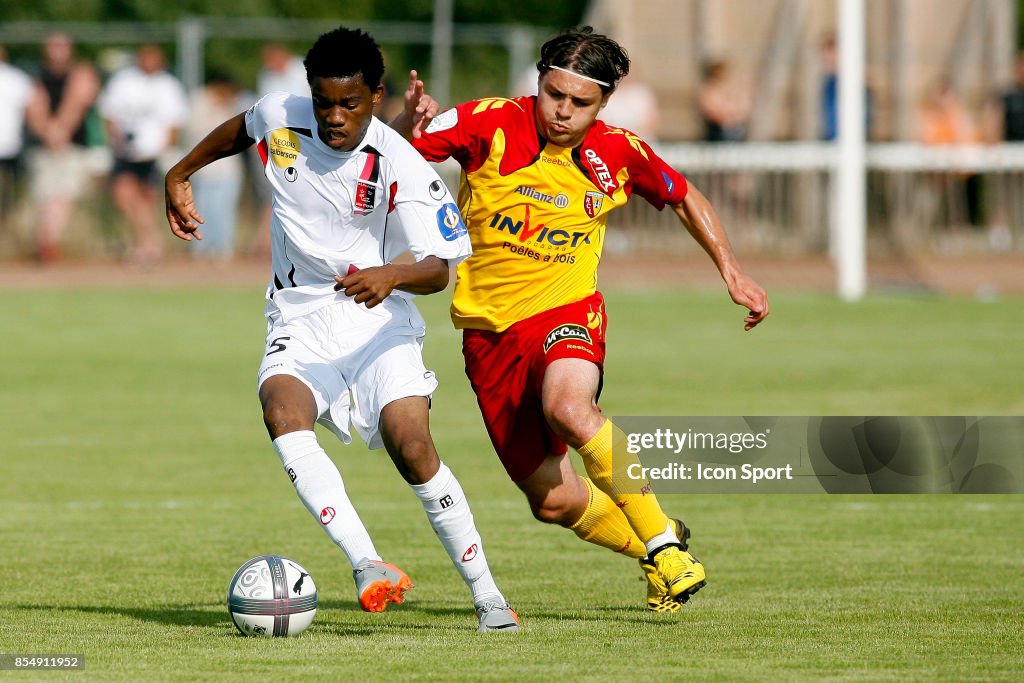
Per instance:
x=497, y=616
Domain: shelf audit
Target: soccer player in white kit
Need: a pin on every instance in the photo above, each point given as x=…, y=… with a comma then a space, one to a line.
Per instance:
x=344, y=340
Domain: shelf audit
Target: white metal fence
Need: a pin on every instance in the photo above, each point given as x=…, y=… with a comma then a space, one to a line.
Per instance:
x=776, y=198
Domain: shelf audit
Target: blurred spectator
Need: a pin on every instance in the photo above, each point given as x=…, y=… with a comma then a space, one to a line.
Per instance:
x=724, y=109
x=1011, y=121
x=282, y=71
x=62, y=97
x=830, y=93
x=1006, y=124
x=143, y=107
x=17, y=89
x=944, y=120
x=217, y=187
x=632, y=107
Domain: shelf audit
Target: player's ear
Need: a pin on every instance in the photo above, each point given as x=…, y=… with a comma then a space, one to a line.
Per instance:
x=604, y=99
x=378, y=94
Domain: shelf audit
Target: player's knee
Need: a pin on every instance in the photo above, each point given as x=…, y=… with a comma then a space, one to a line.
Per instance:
x=553, y=509
x=416, y=459
x=569, y=419
x=282, y=418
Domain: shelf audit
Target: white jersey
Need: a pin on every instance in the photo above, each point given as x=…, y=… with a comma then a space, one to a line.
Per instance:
x=17, y=89
x=146, y=108
x=338, y=211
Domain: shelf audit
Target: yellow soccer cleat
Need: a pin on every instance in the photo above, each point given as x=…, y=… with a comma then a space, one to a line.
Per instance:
x=682, y=573
x=659, y=597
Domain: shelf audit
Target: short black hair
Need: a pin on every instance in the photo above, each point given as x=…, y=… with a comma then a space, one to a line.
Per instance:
x=587, y=53
x=345, y=52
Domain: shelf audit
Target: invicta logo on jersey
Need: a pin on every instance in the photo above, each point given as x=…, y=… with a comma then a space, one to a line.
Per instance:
x=540, y=233
x=566, y=333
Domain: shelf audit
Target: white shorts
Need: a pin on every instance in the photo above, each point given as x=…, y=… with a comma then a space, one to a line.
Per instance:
x=59, y=175
x=355, y=360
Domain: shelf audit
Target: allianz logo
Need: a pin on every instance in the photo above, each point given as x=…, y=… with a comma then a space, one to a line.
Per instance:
x=560, y=200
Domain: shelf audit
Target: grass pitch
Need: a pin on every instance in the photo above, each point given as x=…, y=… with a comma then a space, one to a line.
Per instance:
x=137, y=477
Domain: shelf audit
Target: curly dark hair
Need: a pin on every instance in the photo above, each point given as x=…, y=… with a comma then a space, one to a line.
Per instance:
x=585, y=52
x=345, y=52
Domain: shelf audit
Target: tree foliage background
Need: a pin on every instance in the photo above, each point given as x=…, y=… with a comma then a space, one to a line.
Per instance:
x=474, y=67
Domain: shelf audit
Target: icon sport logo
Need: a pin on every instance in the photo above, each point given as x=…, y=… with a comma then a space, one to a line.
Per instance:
x=449, y=222
x=566, y=333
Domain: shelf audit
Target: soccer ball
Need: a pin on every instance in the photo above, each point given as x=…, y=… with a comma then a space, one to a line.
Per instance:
x=271, y=595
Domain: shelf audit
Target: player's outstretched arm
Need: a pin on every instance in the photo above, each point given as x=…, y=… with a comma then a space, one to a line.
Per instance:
x=226, y=139
x=371, y=286
x=420, y=109
x=696, y=213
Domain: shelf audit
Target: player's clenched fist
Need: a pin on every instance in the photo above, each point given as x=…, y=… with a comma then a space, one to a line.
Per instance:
x=369, y=286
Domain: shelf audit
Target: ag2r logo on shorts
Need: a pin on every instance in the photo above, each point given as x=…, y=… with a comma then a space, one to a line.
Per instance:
x=566, y=333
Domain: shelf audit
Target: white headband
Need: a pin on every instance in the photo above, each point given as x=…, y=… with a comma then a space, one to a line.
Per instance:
x=586, y=78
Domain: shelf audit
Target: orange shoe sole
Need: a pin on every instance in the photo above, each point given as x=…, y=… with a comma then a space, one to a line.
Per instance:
x=379, y=593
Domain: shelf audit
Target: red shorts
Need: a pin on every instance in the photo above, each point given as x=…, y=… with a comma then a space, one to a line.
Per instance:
x=507, y=369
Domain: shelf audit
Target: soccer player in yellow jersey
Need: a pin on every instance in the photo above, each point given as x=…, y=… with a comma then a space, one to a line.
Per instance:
x=540, y=176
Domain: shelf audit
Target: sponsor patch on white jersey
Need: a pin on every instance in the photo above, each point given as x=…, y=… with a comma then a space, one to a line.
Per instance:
x=449, y=222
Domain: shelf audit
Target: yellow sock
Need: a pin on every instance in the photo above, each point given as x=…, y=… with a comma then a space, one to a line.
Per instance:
x=603, y=524
x=641, y=509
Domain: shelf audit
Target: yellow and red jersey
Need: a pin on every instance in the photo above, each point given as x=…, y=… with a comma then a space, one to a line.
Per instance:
x=536, y=212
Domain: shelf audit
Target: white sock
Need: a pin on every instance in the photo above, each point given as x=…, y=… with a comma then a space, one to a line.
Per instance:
x=449, y=514
x=318, y=483
x=664, y=538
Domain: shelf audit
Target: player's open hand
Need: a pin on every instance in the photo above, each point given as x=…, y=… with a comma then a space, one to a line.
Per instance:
x=420, y=107
x=182, y=216
x=368, y=286
x=747, y=293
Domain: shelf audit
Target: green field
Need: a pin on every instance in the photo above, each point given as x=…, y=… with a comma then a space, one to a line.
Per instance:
x=136, y=476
